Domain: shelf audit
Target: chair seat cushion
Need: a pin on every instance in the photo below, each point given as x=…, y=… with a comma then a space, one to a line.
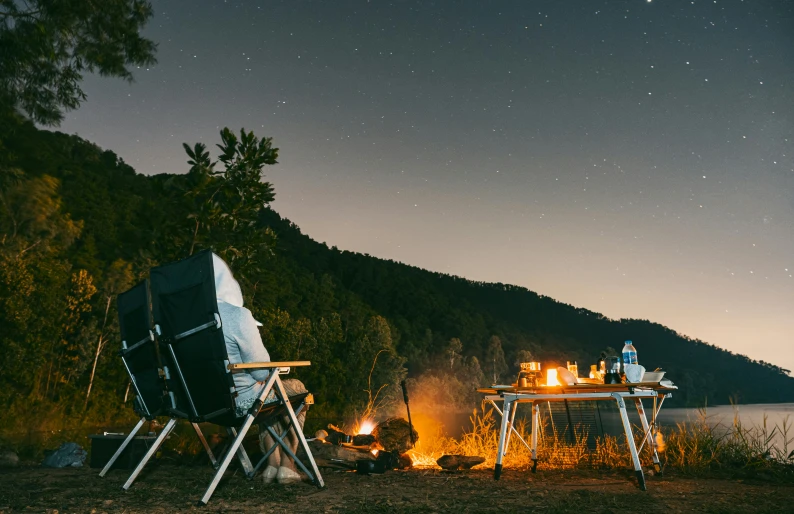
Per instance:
x=268, y=412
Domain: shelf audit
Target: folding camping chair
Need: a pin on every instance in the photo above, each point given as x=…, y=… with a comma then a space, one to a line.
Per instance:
x=141, y=360
x=189, y=330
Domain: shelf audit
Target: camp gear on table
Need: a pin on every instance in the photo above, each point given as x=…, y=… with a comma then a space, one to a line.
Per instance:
x=612, y=375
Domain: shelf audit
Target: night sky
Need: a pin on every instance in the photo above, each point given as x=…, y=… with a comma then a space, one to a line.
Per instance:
x=630, y=157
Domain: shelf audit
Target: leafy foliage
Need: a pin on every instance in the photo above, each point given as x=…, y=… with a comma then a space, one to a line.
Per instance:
x=227, y=204
x=47, y=45
x=495, y=360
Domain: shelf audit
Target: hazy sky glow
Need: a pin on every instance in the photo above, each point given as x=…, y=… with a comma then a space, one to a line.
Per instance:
x=630, y=157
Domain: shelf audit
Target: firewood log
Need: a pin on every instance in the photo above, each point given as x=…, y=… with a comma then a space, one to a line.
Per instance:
x=329, y=455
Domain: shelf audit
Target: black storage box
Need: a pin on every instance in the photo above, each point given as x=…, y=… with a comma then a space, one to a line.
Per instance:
x=103, y=446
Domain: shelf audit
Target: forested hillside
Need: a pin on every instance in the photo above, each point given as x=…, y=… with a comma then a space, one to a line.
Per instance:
x=78, y=226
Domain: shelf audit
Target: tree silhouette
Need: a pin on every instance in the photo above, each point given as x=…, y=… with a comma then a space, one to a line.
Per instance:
x=454, y=351
x=495, y=359
x=228, y=202
x=46, y=46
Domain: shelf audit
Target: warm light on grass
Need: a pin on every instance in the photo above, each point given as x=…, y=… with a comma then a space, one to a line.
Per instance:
x=692, y=447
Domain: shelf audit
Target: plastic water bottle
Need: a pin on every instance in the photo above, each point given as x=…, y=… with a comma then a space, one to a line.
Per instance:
x=629, y=354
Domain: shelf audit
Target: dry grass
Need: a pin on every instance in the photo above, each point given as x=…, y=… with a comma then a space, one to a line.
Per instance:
x=703, y=445
x=696, y=447
x=553, y=449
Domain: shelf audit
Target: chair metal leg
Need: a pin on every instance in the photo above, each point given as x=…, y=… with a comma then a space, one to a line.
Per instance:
x=157, y=443
x=318, y=479
x=500, y=452
x=204, y=443
x=271, y=450
x=122, y=447
x=630, y=439
x=242, y=455
x=227, y=459
x=264, y=459
x=285, y=447
x=230, y=453
x=279, y=441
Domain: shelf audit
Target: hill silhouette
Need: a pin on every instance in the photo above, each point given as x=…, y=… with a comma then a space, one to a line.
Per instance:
x=80, y=225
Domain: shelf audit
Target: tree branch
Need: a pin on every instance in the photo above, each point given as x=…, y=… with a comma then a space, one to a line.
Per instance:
x=26, y=14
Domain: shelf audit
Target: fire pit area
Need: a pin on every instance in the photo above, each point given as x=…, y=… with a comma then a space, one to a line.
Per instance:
x=377, y=448
x=374, y=448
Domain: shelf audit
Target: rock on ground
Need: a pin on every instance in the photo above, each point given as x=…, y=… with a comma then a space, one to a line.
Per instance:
x=459, y=461
x=393, y=435
x=405, y=462
x=8, y=459
x=68, y=455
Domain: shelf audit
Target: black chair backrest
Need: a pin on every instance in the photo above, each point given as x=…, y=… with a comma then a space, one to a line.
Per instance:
x=139, y=351
x=192, y=345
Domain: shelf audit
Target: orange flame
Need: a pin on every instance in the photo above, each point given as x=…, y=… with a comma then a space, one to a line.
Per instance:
x=365, y=426
x=422, y=460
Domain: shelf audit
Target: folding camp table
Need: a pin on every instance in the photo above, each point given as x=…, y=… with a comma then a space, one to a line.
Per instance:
x=512, y=396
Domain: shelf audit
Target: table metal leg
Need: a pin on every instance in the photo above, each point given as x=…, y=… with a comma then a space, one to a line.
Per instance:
x=630, y=440
x=535, y=428
x=648, y=434
x=512, y=428
x=500, y=453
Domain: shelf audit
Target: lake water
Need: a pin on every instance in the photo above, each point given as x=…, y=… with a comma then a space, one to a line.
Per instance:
x=721, y=416
x=749, y=415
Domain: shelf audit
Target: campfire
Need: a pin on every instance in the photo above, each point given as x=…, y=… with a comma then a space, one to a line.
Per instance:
x=365, y=427
x=373, y=448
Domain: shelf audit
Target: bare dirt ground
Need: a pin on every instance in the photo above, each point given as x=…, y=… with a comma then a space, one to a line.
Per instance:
x=173, y=488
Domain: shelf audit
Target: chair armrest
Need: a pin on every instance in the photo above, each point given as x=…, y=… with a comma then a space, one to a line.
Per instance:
x=265, y=365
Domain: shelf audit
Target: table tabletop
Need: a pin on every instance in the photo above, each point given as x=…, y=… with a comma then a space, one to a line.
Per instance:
x=578, y=389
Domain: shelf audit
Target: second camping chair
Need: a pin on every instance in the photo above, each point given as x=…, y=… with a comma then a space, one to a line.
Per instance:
x=193, y=348
x=141, y=360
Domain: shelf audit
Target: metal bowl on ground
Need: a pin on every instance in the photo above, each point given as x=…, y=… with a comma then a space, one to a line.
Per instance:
x=367, y=466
